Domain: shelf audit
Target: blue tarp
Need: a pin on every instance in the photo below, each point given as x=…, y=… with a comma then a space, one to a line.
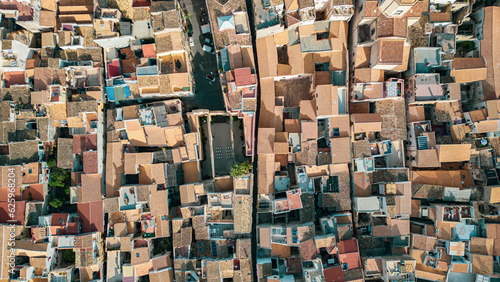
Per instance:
x=118, y=92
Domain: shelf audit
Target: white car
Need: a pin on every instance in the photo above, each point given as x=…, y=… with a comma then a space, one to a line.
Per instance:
x=210, y=78
x=191, y=42
x=208, y=49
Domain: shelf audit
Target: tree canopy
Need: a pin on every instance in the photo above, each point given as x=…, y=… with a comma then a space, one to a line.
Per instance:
x=56, y=203
x=240, y=169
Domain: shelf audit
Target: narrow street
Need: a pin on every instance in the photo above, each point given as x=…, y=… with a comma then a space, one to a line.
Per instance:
x=255, y=190
x=207, y=95
x=352, y=42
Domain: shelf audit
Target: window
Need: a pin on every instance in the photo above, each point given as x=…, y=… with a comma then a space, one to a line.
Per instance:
x=336, y=132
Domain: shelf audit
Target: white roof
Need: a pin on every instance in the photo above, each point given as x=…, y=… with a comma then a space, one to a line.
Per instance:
x=366, y=204
x=116, y=42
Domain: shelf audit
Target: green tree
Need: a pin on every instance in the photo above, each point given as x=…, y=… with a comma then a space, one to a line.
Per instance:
x=466, y=45
x=52, y=163
x=59, y=178
x=239, y=169
x=68, y=256
x=56, y=203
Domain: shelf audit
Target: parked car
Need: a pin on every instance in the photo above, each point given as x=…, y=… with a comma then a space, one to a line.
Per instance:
x=191, y=42
x=210, y=77
x=205, y=29
x=208, y=49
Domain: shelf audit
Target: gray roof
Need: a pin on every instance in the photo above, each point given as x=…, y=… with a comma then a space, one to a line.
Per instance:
x=117, y=42
x=142, y=29
x=309, y=44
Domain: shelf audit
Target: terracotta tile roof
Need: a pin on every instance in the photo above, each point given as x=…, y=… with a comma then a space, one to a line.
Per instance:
x=158, y=204
x=388, y=27
x=308, y=250
x=17, y=94
x=341, y=200
x=424, y=191
x=139, y=256
x=148, y=51
x=340, y=150
x=307, y=212
x=351, y=259
x=141, y=14
x=35, y=192
x=394, y=227
x=484, y=246
x=371, y=10
x=90, y=160
x=490, y=53
x=111, y=205
x=168, y=41
x=19, y=214
x=391, y=51
x=23, y=152
x=75, y=108
x=454, y=152
x=423, y=242
x=158, y=6
x=91, y=216
x=82, y=143
x=482, y=264
x=353, y=274
x=493, y=231
x=335, y=273
x=91, y=189
x=280, y=251
x=439, y=17
x=242, y=213
x=307, y=156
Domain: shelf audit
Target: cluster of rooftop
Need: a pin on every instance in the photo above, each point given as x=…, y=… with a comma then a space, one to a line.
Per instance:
x=88, y=92
x=374, y=128
x=390, y=147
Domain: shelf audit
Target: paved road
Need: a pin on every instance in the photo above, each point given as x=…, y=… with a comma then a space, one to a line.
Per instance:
x=207, y=96
x=352, y=43
x=253, y=34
